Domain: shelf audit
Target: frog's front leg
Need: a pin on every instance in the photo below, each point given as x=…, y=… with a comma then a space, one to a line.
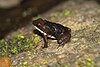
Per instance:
x=45, y=41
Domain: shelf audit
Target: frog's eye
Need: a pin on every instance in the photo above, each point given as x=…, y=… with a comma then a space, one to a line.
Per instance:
x=69, y=29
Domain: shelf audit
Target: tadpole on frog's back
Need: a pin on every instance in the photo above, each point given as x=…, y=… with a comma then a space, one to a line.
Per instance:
x=52, y=30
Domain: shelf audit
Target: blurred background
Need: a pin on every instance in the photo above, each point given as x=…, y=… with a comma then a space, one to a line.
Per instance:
x=17, y=13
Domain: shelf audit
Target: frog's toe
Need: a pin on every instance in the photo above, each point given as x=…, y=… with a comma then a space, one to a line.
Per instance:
x=45, y=46
x=60, y=45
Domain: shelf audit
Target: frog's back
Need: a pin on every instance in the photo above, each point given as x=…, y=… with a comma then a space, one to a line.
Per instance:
x=56, y=29
x=56, y=26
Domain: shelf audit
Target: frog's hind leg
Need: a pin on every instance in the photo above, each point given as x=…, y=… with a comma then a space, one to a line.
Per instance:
x=63, y=40
x=60, y=45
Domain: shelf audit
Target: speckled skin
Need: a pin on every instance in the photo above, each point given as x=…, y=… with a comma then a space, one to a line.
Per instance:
x=48, y=29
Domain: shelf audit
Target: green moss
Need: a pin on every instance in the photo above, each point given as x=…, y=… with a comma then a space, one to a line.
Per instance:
x=85, y=62
x=44, y=61
x=18, y=44
x=36, y=65
x=56, y=14
x=67, y=13
x=23, y=64
x=64, y=65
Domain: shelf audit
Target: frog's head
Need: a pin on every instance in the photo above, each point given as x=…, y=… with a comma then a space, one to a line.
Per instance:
x=38, y=23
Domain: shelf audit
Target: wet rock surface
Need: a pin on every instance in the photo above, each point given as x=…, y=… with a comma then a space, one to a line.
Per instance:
x=83, y=17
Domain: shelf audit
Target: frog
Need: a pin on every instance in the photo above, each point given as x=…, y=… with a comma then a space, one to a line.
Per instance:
x=52, y=30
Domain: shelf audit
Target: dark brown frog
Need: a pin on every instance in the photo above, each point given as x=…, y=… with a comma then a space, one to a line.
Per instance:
x=53, y=30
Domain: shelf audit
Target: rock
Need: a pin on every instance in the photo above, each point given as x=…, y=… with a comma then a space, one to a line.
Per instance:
x=9, y=3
